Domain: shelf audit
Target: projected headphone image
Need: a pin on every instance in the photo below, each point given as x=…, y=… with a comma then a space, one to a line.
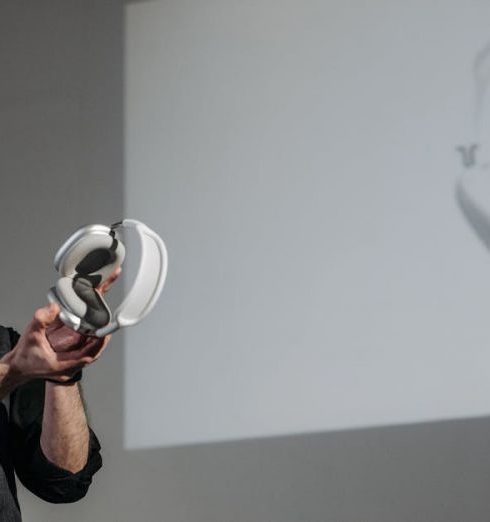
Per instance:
x=87, y=259
x=473, y=185
x=473, y=196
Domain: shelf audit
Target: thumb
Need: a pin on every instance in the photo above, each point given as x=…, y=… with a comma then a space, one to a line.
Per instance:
x=45, y=316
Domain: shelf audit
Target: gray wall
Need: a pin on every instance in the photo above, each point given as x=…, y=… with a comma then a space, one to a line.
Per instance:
x=61, y=130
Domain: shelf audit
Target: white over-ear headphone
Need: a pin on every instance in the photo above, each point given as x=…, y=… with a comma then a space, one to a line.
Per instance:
x=87, y=258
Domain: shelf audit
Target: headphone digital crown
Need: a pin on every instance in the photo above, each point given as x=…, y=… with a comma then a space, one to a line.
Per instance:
x=87, y=259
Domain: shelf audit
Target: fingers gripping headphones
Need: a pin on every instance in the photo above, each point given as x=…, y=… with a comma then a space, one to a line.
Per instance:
x=87, y=259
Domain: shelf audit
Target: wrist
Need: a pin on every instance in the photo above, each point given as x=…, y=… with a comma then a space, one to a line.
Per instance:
x=70, y=382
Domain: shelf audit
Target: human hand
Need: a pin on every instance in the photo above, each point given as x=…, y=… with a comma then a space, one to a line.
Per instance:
x=33, y=356
x=61, y=337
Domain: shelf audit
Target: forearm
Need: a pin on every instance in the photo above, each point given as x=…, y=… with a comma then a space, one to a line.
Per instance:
x=65, y=433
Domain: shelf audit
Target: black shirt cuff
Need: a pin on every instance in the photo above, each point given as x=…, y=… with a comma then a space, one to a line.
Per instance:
x=51, y=482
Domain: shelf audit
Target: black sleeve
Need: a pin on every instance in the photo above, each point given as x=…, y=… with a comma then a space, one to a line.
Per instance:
x=34, y=470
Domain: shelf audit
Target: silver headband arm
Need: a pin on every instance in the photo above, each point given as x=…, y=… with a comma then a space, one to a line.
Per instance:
x=148, y=283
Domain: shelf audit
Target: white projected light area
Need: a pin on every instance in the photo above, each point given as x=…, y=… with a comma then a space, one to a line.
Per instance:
x=299, y=159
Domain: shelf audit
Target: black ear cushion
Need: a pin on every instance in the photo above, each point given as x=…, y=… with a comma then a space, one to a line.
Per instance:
x=80, y=298
x=98, y=313
x=94, y=255
x=95, y=260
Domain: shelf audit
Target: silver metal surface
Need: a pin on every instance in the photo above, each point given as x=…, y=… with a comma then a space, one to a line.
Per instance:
x=75, y=237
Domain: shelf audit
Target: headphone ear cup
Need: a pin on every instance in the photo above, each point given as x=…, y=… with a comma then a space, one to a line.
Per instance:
x=66, y=315
x=79, y=297
x=94, y=256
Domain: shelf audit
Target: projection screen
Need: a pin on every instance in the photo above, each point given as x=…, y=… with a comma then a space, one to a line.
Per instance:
x=299, y=158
